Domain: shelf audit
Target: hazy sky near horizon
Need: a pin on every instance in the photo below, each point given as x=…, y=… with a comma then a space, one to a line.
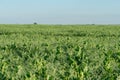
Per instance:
x=60, y=11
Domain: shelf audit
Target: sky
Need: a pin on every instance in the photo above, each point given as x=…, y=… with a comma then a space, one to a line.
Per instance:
x=60, y=11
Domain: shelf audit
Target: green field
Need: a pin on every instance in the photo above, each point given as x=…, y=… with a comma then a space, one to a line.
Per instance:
x=59, y=52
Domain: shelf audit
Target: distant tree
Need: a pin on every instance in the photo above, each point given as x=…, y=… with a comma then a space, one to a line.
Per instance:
x=35, y=23
x=92, y=24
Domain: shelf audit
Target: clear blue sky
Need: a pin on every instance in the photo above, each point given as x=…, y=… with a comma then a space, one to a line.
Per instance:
x=60, y=11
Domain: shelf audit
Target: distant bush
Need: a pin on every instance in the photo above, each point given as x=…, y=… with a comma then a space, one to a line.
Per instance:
x=35, y=23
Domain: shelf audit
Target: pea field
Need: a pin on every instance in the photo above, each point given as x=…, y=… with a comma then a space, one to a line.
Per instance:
x=59, y=52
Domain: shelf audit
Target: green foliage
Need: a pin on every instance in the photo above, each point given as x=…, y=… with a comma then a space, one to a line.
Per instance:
x=59, y=52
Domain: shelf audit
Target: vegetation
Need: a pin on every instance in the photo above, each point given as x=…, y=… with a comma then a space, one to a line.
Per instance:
x=59, y=52
x=35, y=23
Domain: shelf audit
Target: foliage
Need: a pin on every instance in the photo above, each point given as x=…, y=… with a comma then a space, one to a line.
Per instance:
x=59, y=52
